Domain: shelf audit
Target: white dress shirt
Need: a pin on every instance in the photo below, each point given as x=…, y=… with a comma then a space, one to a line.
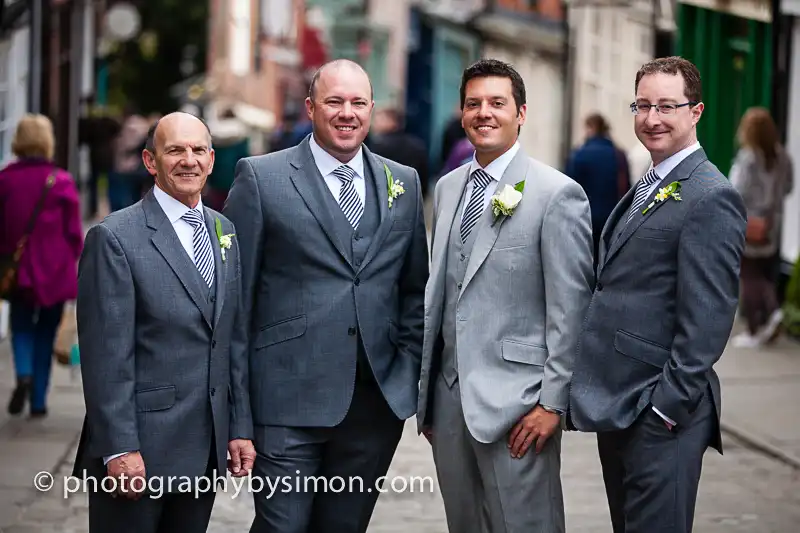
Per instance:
x=663, y=169
x=326, y=164
x=669, y=164
x=174, y=211
x=495, y=169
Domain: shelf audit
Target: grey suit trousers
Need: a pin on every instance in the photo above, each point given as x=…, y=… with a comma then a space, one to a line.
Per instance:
x=479, y=481
x=652, y=474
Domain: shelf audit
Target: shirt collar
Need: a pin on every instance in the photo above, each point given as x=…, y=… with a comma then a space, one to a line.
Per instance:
x=172, y=207
x=668, y=165
x=326, y=163
x=498, y=167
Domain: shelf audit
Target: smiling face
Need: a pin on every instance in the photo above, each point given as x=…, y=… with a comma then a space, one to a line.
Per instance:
x=340, y=109
x=182, y=157
x=490, y=117
x=665, y=134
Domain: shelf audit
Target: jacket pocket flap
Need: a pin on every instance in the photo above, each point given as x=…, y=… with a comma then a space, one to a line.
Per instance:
x=640, y=349
x=155, y=399
x=402, y=224
x=281, y=331
x=529, y=354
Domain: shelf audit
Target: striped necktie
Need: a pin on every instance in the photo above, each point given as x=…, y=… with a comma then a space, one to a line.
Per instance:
x=642, y=191
x=201, y=242
x=348, y=197
x=475, y=207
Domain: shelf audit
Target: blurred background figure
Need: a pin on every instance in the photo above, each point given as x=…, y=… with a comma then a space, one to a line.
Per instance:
x=602, y=170
x=762, y=173
x=230, y=142
x=125, y=181
x=453, y=135
x=388, y=139
x=97, y=130
x=47, y=271
x=461, y=153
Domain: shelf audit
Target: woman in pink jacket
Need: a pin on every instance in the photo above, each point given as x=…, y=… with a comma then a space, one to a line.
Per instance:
x=47, y=274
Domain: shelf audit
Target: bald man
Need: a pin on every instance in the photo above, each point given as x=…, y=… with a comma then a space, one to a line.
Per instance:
x=163, y=362
x=334, y=265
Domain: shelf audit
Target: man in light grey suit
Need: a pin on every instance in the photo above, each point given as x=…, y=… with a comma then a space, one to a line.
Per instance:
x=661, y=313
x=162, y=355
x=334, y=264
x=503, y=308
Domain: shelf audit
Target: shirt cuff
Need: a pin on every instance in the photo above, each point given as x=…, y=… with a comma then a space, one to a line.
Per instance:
x=549, y=409
x=665, y=417
x=110, y=457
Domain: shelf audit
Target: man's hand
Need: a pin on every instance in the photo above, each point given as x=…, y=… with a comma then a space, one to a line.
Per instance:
x=129, y=472
x=538, y=425
x=243, y=457
x=427, y=432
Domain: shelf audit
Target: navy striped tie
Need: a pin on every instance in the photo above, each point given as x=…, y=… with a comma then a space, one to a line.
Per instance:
x=201, y=242
x=475, y=208
x=642, y=191
x=348, y=197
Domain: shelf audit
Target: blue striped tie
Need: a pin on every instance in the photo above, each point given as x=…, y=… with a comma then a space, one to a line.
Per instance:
x=348, y=197
x=203, y=255
x=475, y=207
x=642, y=191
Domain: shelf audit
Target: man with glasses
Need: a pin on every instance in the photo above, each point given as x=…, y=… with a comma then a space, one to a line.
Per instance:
x=663, y=307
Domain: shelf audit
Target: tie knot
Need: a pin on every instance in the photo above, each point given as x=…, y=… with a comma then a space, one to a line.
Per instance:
x=345, y=173
x=651, y=177
x=193, y=217
x=482, y=178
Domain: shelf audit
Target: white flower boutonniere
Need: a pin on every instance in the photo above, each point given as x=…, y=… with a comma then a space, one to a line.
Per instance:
x=506, y=201
x=665, y=193
x=395, y=187
x=225, y=241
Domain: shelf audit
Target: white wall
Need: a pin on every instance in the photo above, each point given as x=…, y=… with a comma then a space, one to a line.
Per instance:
x=790, y=245
x=13, y=87
x=542, y=133
x=394, y=16
x=611, y=44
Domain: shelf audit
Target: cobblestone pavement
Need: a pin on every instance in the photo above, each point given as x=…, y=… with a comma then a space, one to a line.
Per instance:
x=741, y=491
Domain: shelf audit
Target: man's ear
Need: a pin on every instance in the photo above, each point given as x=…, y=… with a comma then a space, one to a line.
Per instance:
x=149, y=159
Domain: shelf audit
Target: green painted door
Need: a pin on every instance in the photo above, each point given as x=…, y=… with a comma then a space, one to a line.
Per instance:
x=734, y=56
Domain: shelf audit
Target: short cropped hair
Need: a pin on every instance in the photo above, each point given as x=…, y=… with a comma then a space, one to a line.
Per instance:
x=34, y=137
x=674, y=65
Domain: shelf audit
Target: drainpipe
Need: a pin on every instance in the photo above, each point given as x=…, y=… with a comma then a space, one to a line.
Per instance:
x=568, y=81
x=35, y=58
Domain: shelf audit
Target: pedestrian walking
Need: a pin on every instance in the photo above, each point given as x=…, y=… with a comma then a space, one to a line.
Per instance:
x=41, y=239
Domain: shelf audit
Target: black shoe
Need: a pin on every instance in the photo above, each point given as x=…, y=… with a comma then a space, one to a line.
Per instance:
x=38, y=413
x=18, y=397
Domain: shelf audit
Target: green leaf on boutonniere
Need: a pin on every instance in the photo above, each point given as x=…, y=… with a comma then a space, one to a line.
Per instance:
x=520, y=186
x=218, y=227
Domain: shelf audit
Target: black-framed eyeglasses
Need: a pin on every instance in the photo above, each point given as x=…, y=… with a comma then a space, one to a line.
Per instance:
x=661, y=109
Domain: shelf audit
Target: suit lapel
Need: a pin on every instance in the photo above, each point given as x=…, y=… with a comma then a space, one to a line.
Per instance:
x=169, y=246
x=382, y=192
x=682, y=172
x=220, y=266
x=488, y=229
x=611, y=224
x=442, y=231
x=309, y=184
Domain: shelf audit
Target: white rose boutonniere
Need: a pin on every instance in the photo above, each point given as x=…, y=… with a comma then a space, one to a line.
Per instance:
x=225, y=241
x=506, y=201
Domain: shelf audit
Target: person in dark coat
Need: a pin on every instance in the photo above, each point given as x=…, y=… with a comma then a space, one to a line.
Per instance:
x=602, y=170
x=388, y=139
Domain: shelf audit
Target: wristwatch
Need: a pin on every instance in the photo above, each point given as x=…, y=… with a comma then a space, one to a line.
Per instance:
x=559, y=412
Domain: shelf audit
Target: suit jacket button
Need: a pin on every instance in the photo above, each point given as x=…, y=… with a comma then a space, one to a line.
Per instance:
x=213, y=390
x=357, y=282
x=213, y=299
x=599, y=286
x=213, y=344
x=351, y=331
x=459, y=286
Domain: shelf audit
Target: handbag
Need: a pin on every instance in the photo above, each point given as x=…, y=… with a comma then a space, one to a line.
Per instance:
x=9, y=263
x=757, y=230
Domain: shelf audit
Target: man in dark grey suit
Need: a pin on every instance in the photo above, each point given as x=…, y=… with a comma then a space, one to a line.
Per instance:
x=334, y=266
x=162, y=355
x=663, y=307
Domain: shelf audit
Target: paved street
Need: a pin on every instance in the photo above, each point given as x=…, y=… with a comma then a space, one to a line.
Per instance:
x=742, y=491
